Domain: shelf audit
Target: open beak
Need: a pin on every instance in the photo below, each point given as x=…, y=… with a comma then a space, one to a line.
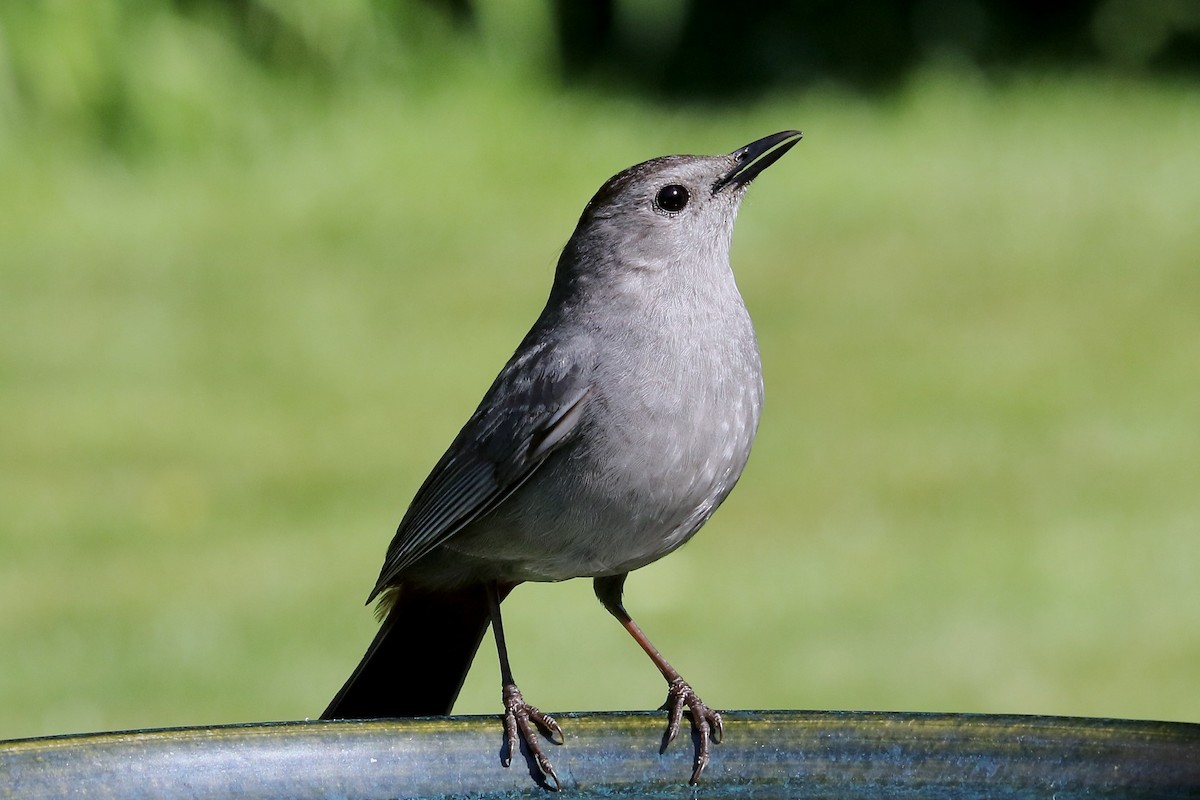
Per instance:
x=752, y=159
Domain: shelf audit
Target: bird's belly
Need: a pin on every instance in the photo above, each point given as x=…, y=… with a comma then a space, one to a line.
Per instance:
x=630, y=497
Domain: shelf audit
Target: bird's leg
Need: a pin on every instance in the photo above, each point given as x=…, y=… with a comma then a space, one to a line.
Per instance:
x=679, y=693
x=517, y=713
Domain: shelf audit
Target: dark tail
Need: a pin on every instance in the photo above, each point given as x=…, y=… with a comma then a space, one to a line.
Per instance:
x=420, y=657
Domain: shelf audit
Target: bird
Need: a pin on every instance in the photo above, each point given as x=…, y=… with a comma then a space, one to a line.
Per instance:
x=618, y=426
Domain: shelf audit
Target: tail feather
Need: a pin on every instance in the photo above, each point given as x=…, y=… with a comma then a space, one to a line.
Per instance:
x=418, y=661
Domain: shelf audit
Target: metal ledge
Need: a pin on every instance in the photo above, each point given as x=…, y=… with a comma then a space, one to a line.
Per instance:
x=766, y=754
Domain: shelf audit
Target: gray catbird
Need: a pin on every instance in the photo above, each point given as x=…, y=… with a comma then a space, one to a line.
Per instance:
x=618, y=426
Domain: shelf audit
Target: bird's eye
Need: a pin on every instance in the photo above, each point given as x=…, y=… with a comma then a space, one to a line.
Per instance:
x=671, y=199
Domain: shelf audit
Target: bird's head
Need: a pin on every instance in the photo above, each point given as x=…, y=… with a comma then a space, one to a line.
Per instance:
x=669, y=210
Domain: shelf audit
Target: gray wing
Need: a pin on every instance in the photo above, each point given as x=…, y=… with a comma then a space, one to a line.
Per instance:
x=531, y=409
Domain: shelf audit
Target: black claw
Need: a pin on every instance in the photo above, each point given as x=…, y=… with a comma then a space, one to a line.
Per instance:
x=517, y=718
x=707, y=723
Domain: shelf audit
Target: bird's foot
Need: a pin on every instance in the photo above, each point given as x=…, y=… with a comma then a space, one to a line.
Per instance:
x=518, y=716
x=707, y=722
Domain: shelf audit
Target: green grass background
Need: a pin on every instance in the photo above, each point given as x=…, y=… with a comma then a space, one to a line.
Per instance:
x=230, y=351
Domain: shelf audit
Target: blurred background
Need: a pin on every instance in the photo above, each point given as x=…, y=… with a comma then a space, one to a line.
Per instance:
x=260, y=259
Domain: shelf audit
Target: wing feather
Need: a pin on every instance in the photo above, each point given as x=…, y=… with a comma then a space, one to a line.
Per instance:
x=530, y=411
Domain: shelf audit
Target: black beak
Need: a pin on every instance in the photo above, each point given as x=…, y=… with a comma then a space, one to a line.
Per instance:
x=755, y=157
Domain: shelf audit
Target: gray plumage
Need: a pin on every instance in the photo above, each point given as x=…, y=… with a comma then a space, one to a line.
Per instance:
x=624, y=417
x=619, y=425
